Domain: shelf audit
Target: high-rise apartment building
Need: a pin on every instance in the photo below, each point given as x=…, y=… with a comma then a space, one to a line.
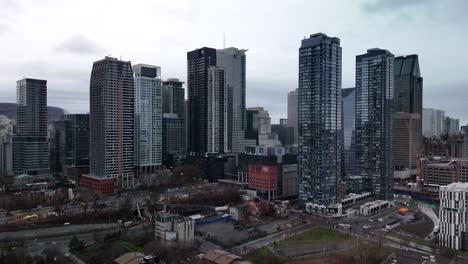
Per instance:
x=111, y=125
x=292, y=113
x=349, y=110
x=452, y=215
x=233, y=61
x=433, y=122
x=319, y=120
x=408, y=98
x=29, y=148
x=216, y=136
x=198, y=63
x=148, y=118
x=374, y=121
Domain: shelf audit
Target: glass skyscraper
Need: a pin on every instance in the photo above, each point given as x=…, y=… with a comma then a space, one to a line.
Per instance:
x=374, y=121
x=319, y=120
x=233, y=61
x=349, y=109
x=148, y=118
x=408, y=99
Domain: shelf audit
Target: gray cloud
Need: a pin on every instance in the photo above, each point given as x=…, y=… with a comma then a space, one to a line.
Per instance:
x=80, y=44
x=392, y=5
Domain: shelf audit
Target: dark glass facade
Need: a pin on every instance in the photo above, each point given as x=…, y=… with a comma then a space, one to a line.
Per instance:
x=198, y=62
x=408, y=99
x=349, y=109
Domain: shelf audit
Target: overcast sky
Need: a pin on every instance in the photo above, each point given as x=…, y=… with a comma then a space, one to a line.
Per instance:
x=58, y=40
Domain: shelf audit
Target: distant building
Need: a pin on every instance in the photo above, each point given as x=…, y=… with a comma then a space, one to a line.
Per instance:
x=433, y=122
x=451, y=125
x=349, y=110
x=173, y=135
x=148, y=118
x=27, y=152
x=435, y=147
x=175, y=228
x=407, y=146
x=111, y=125
x=198, y=63
x=408, y=99
x=174, y=127
x=442, y=171
x=216, y=134
x=233, y=61
x=374, y=121
x=319, y=120
x=285, y=133
x=69, y=145
x=292, y=113
x=173, y=95
x=452, y=215
x=271, y=172
x=259, y=127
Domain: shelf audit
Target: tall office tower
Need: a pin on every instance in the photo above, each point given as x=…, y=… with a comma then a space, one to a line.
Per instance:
x=30, y=147
x=69, y=145
x=319, y=120
x=148, y=118
x=174, y=122
x=198, y=63
x=349, y=109
x=433, y=122
x=292, y=113
x=408, y=98
x=374, y=121
x=405, y=151
x=173, y=95
x=174, y=149
x=216, y=137
x=111, y=123
x=233, y=61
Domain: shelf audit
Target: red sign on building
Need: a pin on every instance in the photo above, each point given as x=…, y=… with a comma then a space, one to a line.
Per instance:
x=263, y=178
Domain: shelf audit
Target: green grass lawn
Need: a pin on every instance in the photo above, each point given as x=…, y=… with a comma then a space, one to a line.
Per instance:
x=314, y=236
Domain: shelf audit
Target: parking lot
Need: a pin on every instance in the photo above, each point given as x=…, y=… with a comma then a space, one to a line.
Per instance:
x=226, y=232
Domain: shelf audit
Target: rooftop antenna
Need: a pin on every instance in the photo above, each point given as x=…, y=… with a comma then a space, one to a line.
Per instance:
x=224, y=40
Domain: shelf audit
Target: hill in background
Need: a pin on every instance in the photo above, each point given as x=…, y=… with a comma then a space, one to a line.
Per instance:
x=9, y=110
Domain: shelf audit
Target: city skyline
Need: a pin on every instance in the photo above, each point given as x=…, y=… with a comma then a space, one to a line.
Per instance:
x=83, y=44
